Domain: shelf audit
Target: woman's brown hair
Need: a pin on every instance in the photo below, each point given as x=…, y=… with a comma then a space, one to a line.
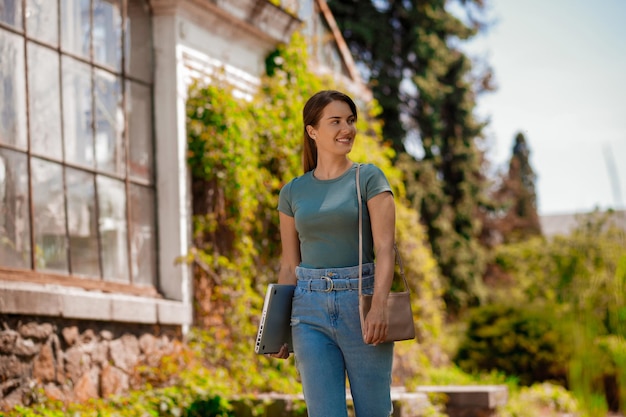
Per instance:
x=311, y=115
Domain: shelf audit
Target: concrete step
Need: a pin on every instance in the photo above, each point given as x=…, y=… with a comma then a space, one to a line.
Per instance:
x=405, y=404
x=470, y=400
x=460, y=401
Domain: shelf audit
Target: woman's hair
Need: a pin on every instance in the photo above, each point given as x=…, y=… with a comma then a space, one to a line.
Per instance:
x=311, y=115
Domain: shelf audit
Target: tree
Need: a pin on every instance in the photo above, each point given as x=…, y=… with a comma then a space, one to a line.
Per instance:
x=516, y=194
x=427, y=88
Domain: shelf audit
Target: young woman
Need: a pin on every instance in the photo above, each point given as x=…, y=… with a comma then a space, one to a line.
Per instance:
x=319, y=234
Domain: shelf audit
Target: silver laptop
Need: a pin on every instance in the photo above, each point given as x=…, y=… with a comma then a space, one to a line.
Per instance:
x=275, y=326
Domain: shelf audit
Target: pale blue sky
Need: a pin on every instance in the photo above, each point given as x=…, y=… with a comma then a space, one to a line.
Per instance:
x=561, y=70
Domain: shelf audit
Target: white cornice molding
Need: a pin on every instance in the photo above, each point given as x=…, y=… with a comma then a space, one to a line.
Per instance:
x=260, y=18
x=164, y=7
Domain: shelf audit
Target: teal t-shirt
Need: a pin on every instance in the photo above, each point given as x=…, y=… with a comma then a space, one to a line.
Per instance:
x=327, y=218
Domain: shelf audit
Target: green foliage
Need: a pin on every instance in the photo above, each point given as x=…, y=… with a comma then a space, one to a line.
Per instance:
x=523, y=342
x=583, y=273
x=453, y=375
x=211, y=407
x=547, y=400
x=581, y=278
x=192, y=390
x=416, y=43
x=421, y=271
x=190, y=396
x=241, y=154
x=613, y=348
x=242, y=370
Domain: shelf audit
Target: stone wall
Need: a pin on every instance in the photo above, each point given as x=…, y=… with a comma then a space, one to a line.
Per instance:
x=74, y=360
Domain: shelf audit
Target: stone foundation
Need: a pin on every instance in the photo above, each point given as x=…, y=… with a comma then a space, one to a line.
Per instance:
x=75, y=360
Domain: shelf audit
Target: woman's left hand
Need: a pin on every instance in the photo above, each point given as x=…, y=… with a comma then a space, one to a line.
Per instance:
x=376, y=326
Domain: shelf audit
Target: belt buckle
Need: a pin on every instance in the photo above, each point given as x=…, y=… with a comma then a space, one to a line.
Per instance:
x=332, y=284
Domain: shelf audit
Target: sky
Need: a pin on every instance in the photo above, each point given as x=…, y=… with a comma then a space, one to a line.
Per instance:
x=560, y=69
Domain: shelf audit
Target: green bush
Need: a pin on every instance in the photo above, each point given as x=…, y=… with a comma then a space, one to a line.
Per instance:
x=544, y=399
x=170, y=402
x=581, y=277
x=524, y=342
x=209, y=407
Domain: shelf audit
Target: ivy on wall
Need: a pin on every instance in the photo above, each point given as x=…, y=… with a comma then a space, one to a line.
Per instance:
x=241, y=152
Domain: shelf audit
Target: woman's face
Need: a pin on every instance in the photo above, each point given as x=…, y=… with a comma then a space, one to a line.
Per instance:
x=335, y=130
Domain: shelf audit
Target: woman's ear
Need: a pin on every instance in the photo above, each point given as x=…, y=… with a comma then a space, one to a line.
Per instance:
x=311, y=131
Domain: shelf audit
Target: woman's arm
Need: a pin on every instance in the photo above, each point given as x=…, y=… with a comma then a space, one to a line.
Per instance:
x=382, y=211
x=290, y=257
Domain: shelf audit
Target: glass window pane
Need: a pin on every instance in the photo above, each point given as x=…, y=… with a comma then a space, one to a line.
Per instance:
x=82, y=107
x=76, y=27
x=110, y=152
x=138, y=57
x=77, y=112
x=14, y=203
x=49, y=216
x=44, y=101
x=11, y=13
x=143, y=235
x=82, y=222
x=42, y=21
x=107, y=33
x=12, y=90
x=113, y=228
x=139, y=116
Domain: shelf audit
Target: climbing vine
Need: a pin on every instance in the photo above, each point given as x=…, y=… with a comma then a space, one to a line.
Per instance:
x=241, y=152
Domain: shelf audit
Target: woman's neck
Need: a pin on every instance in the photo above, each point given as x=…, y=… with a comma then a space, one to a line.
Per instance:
x=328, y=170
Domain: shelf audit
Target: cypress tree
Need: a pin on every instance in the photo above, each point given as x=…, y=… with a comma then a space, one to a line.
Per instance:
x=516, y=195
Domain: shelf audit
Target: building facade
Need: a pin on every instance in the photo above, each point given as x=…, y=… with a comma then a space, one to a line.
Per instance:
x=94, y=185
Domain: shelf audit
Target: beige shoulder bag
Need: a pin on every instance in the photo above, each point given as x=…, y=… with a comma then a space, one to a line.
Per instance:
x=401, y=325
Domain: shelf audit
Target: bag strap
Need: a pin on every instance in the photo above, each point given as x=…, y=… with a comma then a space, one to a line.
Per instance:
x=360, y=206
x=395, y=247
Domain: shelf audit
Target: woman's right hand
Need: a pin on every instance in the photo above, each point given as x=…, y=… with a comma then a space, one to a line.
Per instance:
x=283, y=353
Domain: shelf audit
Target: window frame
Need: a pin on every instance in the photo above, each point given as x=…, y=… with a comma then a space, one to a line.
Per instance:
x=127, y=81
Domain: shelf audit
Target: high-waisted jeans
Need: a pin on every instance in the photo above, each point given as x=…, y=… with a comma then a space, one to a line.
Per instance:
x=328, y=344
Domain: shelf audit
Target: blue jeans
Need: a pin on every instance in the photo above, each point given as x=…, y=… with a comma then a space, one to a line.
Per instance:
x=328, y=344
